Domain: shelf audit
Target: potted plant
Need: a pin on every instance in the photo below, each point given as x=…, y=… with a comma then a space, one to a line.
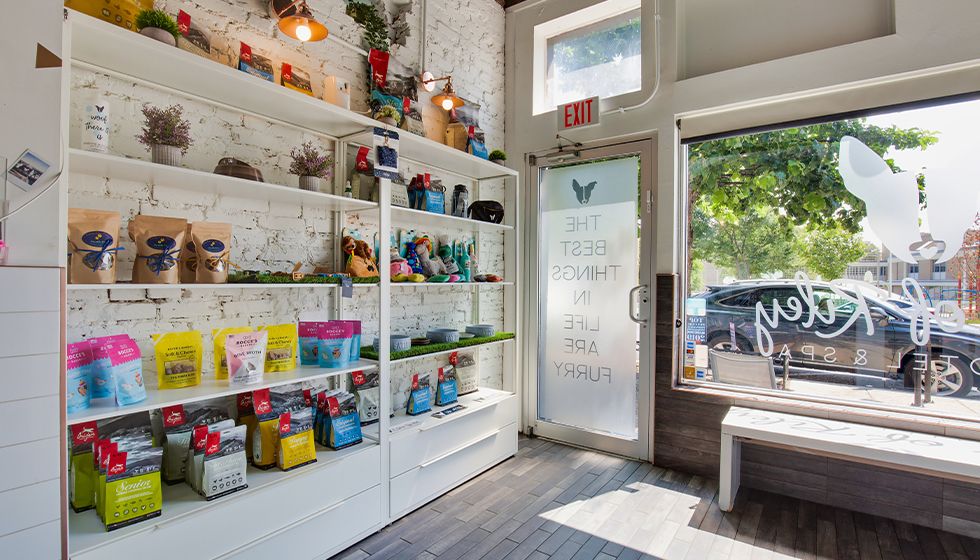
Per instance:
x=156, y=24
x=312, y=166
x=388, y=115
x=166, y=134
x=498, y=156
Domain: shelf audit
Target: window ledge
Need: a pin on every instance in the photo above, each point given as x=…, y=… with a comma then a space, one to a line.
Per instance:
x=925, y=421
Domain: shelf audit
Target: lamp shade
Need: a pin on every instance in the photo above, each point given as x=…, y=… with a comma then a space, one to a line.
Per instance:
x=296, y=20
x=447, y=98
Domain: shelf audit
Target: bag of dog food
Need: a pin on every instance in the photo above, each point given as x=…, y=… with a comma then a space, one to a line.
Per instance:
x=309, y=342
x=79, y=374
x=246, y=417
x=219, y=336
x=280, y=354
x=103, y=385
x=178, y=359
x=367, y=395
x=296, y=79
x=195, y=454
x=344, y=424
x=158, y=244
x=125, y=370
x=467, y=373
x=225, y=462
x=212, y=241
x=446, y=390
x=268, y=406
x=81, y=469
x=188, y=258
x=132, y=487
x=93, y=241
x=246, y=357
x=177, y=425
x=255, y=64
x=334, y=344
x=419, y=396
x=193, y=38
x=296, y=439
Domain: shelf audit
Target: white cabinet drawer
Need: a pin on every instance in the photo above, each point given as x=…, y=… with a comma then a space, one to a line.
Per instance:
x=321, y=534
x=434, y=477
x=24, y=334
x=223, y=525
x=412, y=447
x=30, y=289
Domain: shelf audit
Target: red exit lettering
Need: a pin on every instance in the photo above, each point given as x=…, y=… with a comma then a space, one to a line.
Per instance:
x=579, y=113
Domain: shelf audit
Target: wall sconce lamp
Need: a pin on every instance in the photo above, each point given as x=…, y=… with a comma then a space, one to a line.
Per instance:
x=297, y=21
x=447, y=98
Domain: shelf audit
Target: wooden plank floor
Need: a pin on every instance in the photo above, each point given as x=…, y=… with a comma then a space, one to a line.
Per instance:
x=561, y=503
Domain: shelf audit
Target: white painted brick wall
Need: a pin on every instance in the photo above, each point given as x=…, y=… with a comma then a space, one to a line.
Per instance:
x=466, y=39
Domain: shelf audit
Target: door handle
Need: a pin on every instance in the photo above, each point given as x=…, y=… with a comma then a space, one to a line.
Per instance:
x=635, y=311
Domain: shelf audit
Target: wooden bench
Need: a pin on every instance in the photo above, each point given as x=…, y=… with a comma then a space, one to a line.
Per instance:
x=939, y=456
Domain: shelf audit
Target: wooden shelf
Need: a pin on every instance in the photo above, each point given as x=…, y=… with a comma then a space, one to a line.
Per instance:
x=209, y=388
x=116, y=167
x=114, y=49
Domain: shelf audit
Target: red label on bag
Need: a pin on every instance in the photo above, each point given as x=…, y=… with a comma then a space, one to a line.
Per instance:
x=287, y=72
x=307, y=397
x=379, y=67
x=214, y=443
x=200, y=437
x=442, y=377
x=415, y=381
x=284, y=419
x=427, y=181
x=246, y=53
x=406, y=105
x=183, y=22
x=321, y=400
x=244, y=402
x=86, y=432
x=358, y=377
x=361, y=163
x=116, y=463
x=454, y=358
x=471, y=131
x=173, y=416
x=261, y=401
x=333, y=406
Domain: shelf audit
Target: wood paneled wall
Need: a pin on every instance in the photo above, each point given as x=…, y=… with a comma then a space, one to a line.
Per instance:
x=687, y=436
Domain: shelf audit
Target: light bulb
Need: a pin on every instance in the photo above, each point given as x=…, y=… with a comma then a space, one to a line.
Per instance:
x=447, y=104
x=303, y=32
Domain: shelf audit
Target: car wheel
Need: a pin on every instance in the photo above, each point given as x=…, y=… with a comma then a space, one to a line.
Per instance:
x=951, y=375
x=723, y=341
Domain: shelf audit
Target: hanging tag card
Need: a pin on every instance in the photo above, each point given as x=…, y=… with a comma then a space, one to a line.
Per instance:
x=386, y=153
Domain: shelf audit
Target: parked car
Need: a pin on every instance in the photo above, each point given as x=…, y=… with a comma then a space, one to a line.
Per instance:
x=889, y=352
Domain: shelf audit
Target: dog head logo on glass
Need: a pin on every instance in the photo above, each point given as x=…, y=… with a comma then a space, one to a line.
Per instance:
x=583, y=192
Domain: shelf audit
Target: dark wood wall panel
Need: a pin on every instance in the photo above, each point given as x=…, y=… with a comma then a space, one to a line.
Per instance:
x=687, y=436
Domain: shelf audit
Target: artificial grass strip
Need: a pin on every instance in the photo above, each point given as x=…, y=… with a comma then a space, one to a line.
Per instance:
x=288, y=279
x=369, y=352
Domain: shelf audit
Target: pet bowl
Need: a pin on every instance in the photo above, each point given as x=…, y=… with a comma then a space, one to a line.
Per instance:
x=481, y=331
x=466, y=335
x=443, y=335
x=421, y=341
x=399, y=343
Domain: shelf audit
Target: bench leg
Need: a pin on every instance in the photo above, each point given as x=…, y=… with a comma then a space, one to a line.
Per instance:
x=731, y=460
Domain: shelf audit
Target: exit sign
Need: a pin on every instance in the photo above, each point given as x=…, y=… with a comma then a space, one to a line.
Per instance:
x=578, y=113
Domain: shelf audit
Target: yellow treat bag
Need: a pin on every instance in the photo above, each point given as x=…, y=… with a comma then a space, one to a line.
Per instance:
x=246, y=417
x=178, y=358
x=280, y=353
x=296, y=439
x=220, y=358
x=265, y=437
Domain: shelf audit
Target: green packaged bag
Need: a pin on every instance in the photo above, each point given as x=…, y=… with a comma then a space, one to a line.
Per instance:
x=81, y=474
x=132, y=487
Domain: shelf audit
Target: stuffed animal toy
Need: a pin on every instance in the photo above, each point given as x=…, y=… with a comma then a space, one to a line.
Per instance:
x=360, y=261
x=446, y=255
x=399, y=266
x=412, y=258
x=430, y=266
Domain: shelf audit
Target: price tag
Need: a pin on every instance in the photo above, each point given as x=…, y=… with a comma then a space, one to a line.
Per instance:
x=346, y=287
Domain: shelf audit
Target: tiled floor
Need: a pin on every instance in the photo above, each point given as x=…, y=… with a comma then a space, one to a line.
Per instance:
x=556, y=502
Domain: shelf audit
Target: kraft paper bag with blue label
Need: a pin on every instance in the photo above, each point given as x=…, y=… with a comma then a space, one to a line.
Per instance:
x=212, y=241
x=159, y=242
x=93, y=246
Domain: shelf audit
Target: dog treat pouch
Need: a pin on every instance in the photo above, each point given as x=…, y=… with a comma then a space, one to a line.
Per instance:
x=219, y=337
x=178, y=359
x=280, y=353
x=296, y=79
x=246, y=357
x=103, y=385
x=225, y=462
x=419, y=396
x=355, y=341
x=188, y=258
x=344, y=424
x=78, y=362
x=334, y=344
x=255, y=64
x=125, y=369
x=296, y=439
x=212, y=241
x=93, y=244
x=446, y=389
x=159, y=241
x=367, y=396
x=81, y=470
x=132, y=487
x=309, y=342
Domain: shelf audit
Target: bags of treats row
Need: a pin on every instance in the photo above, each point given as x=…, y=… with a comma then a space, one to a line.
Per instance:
x=330, y=344
x=277, y=342
x=127, y=475
x=288, y=444
x=338, y=423
x=217, y=460
x=104, y=367
x=173, y=427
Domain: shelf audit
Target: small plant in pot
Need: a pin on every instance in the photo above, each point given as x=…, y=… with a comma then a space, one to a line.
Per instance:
x=312, y=166
x=166, y=134
x=388, y=115
x=158, y=25
x=498, y=156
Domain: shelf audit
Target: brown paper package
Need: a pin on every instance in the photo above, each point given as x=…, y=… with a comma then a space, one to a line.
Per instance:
x=188, y=258
x=93, y=246
x=212, y=241
x=158, y=244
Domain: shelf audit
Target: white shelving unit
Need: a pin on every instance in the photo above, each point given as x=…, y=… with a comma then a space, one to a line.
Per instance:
x=403, y=461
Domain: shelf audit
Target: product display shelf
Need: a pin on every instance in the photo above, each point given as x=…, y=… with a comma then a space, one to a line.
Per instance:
x=409, y=216
x=180, y=501
x=473, y=403
x=447, y=284
x=242, y=286
x=114, y=49
x=446, y=352
x=209, y=388
x=117, y=167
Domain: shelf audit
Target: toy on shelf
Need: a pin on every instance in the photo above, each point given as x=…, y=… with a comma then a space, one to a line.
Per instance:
x=360, y=261
x=412, y=257
x=399, y=266
x=432, y=268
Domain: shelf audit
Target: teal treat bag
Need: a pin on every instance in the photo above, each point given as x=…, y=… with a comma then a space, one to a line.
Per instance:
x=334, y=344
x=420, y=398
x=344, y=422
x=309, y=342
x=78, y=362
x=103, y=385
x=355, y=343
x=126, y=369
x=446, y=390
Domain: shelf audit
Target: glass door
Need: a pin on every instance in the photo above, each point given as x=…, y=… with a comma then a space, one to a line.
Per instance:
x=590, y=369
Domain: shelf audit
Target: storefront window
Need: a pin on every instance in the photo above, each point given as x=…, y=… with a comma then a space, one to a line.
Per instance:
x=839, y=260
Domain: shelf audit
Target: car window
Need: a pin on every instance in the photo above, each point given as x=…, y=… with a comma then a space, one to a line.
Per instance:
x=827, y=300
x=743, y=299
x=781, y=294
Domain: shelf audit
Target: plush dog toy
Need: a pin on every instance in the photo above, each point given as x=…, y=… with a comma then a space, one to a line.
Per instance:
x=412, y=257
x=430, y=266
x=399, y=266
x=360, y=261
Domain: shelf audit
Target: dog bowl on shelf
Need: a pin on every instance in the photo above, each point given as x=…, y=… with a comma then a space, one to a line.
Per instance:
x=443, y=335
x=421, y=341
x=466, y=335
x=481, y=331
x=399, y=343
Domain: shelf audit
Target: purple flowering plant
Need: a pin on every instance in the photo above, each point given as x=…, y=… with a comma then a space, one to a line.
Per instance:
x=166, y=127
x=310, y=161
